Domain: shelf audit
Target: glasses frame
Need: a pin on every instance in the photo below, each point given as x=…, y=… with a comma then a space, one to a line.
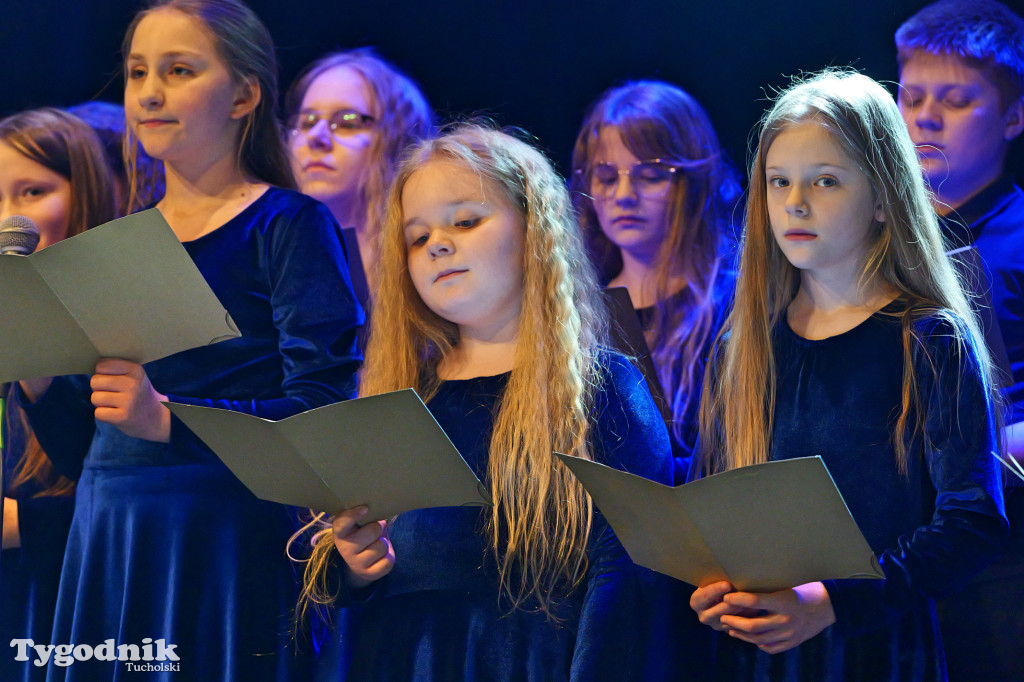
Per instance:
x=294, y=129
x=588, y=176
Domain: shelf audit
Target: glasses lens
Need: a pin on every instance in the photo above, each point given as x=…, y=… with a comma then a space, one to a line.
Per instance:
x=651, y=172
x=651, y=179
x=348, y=121
x=603, y=178
x=302, y=123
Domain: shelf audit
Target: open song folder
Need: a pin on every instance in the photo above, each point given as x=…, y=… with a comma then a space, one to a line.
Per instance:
x=763, y=528
x=126, y=289
x=385, y=451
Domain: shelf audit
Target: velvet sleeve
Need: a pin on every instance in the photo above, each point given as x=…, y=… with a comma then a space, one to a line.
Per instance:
x=315, y=313
x=968, y=525
x=630, y=435
x=62, y=419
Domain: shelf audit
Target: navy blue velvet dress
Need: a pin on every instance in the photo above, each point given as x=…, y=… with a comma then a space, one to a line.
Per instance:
x=165, y=542
x=438, y=617
x=29, y=574
x=931, y=528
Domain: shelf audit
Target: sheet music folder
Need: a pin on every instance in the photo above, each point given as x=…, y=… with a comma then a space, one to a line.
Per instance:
x=763, y=528
x=385, y=451
x=126, y=289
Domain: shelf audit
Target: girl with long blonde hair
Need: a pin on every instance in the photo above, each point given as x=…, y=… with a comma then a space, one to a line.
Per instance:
x=655, y=196
x=851, y=338
x=488, y=308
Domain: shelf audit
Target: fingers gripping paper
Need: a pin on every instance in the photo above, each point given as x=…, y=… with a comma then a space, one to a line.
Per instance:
x=126, y=289
x=763, y=528
x=385, y=451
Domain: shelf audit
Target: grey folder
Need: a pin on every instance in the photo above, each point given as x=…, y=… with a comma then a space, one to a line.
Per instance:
x=763, y=528
x=384, y=451
x=126, y=289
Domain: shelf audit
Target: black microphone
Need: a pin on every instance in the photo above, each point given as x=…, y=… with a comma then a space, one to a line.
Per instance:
x=18, y=236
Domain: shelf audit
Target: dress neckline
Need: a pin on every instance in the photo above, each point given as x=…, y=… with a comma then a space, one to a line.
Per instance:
x=881, y=315
x=486, y=377
x=243, y=216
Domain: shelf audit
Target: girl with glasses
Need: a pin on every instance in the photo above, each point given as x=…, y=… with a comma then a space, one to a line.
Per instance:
x=654, y=197
x=350, y=116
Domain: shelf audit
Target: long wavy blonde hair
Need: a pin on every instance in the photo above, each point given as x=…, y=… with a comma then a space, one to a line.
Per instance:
x=541, y=518
x=659, y=120
x=907, y=254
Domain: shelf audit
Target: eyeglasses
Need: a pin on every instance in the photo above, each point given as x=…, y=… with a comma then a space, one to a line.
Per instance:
x=340, y=123
x=649, y=179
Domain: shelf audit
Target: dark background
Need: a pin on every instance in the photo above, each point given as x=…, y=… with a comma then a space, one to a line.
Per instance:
x=531, y=64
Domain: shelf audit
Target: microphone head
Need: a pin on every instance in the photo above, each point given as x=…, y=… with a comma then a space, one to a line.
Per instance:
x=18, y=235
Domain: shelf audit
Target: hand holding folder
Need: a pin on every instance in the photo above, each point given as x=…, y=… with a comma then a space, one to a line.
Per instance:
x=385, y=451
x=763, y=528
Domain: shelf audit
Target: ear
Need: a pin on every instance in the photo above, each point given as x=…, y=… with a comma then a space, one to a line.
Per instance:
x=247, y=98
x=1014, y=119
x=880, y=210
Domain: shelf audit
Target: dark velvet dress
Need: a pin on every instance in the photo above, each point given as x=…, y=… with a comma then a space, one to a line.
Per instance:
x=931, y=528
x=29, y=574
x=437, y=616
x=165, y=542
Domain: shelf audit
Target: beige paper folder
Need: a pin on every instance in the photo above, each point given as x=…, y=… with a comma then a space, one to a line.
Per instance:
x=763, y=528
x=126, y=289
x=385, y=451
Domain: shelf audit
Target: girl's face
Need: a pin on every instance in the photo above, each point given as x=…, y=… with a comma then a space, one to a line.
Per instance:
x=631, y=205
x=820, y=204
x=31, y=189
x=180, y=99
x=330, y=163
x=464, y=244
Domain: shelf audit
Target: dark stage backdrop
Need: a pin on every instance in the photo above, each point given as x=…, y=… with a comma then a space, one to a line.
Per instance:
x=530, y=64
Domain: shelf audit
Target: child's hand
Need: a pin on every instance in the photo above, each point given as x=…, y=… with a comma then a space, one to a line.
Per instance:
x=366, y=550
x=123, y=396
x=11, y=531
x=783, y=619
x=708, y=602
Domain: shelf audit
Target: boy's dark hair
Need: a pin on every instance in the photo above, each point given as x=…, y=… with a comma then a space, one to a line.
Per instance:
x=986, y=34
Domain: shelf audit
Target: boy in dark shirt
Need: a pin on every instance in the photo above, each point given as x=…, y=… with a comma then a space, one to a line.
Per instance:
x=962, y=96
